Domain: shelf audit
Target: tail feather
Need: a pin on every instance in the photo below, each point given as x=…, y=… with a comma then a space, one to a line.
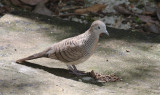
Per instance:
x=34, y=56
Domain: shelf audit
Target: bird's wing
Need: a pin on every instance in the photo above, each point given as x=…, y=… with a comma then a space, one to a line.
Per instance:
x=67, y=51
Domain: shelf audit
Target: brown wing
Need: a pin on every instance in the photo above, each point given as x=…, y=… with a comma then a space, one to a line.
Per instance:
x=67, y=51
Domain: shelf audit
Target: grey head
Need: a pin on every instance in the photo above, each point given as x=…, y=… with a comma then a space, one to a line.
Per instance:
x=99, y=27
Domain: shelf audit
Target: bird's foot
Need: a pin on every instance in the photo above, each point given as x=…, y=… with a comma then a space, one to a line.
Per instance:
x=75, y=71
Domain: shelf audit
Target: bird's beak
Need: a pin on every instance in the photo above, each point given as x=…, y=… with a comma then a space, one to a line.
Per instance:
x=106, y=32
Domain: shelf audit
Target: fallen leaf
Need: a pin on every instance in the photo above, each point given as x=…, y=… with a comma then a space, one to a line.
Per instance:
x=41, y=9
x=5, y=9
x=32, y=2
x=2, y=10
x=158, y=4
x=158, y=13
x=149, y=10
x=131, y=6
x=93, y=9
x=122, y=8
x=16, y=2
x=21, y=4
x=154, y=28
x=133, y=1
x=145, y=18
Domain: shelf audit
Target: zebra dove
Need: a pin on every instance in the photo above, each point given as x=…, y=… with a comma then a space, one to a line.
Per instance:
x=74, y=50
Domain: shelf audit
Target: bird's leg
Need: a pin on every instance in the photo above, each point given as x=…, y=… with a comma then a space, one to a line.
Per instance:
x=74, y=67
x=78, y=71
x=70, y=68
x=75, y=71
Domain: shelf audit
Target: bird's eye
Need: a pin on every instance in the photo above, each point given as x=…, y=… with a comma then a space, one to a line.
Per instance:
x=98, y=27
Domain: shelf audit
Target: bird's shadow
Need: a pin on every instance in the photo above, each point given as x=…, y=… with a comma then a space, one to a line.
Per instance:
x=62, y=73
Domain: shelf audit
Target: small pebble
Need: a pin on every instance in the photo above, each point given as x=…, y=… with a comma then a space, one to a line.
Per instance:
x=127, y=51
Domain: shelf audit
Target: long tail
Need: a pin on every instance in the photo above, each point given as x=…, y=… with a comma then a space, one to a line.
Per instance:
x=34, y=56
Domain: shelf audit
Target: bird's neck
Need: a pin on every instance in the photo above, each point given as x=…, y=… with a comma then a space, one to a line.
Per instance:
x=92, y=36
x=92, y=40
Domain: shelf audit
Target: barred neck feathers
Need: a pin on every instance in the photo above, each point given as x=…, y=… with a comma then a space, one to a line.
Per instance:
x=90, y=41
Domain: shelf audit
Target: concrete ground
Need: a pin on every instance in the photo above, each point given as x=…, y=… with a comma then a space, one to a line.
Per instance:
x=133, y=56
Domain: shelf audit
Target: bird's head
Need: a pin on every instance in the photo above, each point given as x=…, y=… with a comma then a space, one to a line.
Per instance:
x=98, y=27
